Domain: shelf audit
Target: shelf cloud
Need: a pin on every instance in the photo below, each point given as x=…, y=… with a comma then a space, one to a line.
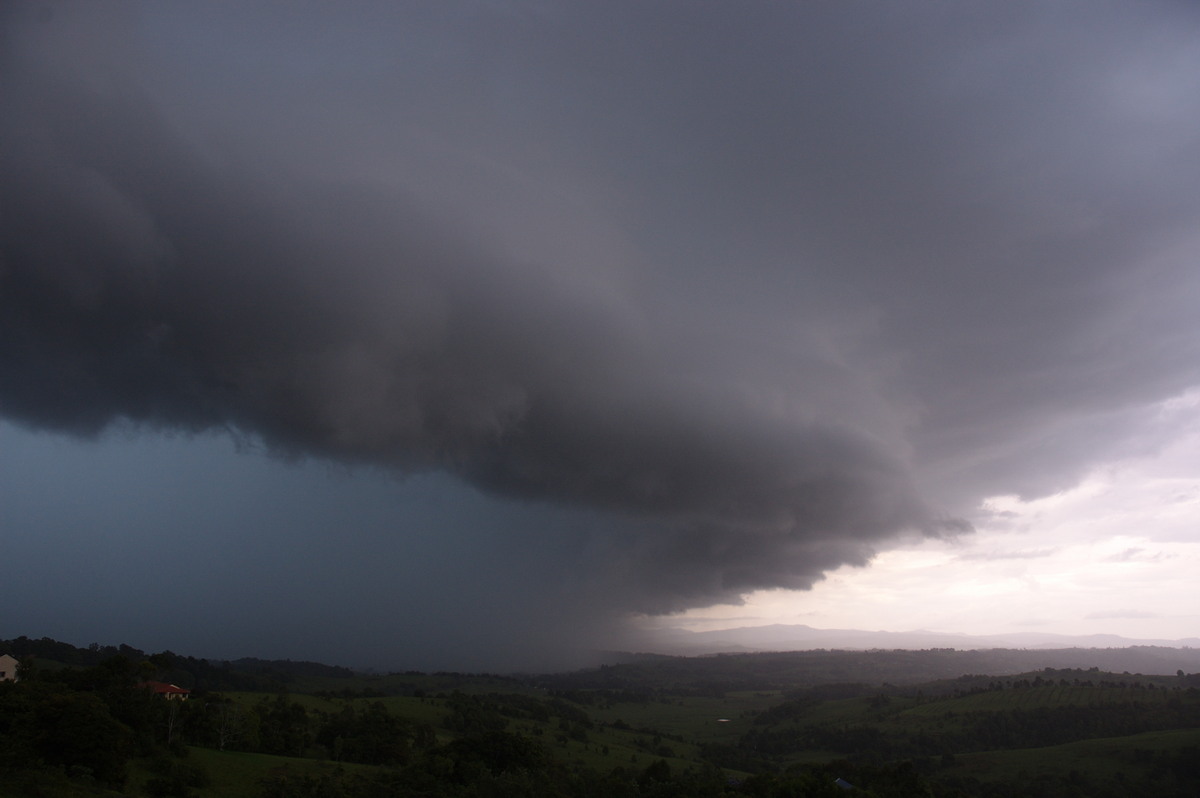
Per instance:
x=759, y=288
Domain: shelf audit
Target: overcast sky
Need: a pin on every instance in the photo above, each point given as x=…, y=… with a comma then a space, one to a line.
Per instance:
x=466, y=335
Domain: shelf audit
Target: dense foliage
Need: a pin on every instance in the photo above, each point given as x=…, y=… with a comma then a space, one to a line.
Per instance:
x=81, y=722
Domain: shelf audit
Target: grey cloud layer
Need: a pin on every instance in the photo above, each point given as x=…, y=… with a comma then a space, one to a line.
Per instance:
x=764, y=284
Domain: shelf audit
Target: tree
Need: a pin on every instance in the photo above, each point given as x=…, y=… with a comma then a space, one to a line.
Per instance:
x=75, y=730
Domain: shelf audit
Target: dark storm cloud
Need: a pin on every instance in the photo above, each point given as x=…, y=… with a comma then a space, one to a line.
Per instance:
x=763, y=284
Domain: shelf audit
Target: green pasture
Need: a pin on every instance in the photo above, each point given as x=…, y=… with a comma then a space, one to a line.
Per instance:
x=235, y=774
x=852, y=711
x=674, y=727
x=24, y=784
x=606, y=748
x=701, y=719
x=1102, y=758
x=647, y=740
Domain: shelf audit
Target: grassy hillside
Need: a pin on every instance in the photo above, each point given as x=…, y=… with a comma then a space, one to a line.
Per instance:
x=760, y=725
x=1105, y=758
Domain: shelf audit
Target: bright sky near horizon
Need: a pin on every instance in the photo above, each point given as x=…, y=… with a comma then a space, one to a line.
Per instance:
x=1116, y=554
x=461, y=334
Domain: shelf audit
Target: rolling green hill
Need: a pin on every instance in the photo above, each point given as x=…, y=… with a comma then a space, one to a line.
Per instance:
x=746, y=725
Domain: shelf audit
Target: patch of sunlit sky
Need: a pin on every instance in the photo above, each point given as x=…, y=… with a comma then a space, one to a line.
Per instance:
x=1113, y=555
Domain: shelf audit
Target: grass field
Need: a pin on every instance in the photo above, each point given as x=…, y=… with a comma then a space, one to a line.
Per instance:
x=235, y=774
x=1102, y=758
x=974, y=728
x=701, y=719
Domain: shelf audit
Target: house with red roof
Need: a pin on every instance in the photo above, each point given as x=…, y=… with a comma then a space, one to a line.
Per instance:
x=171, y=692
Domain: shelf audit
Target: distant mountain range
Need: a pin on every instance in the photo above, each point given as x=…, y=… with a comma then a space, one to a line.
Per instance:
x=797, y=637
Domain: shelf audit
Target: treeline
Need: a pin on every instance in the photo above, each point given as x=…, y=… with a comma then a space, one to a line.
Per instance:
x=246, y=674
x=81, y=726
x=1076, y=677
x=64, y=729
x=977, y=731
x=84, y=723
x=362, y=733
x=723, y=673
x=89, y=723
x=67, y=731
x=1118, y=709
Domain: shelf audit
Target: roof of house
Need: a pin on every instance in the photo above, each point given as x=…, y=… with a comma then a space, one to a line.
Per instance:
x=162, y=688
